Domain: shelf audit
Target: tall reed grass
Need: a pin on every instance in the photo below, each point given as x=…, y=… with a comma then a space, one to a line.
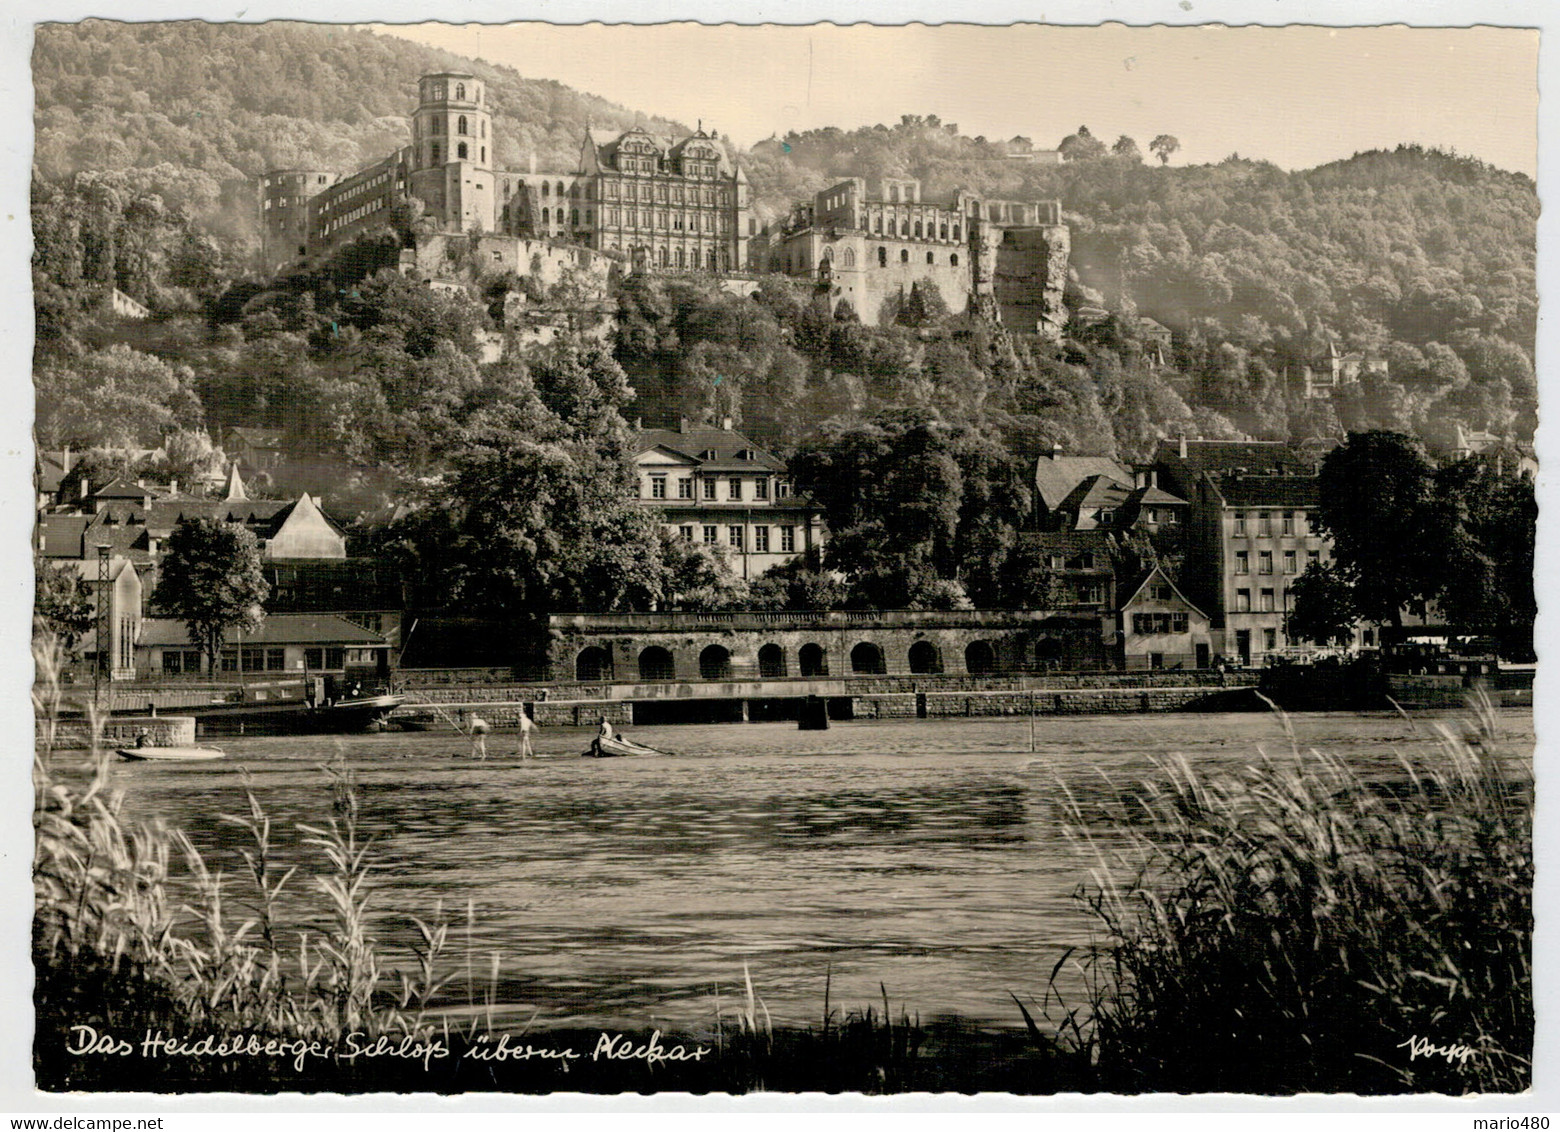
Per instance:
x=1296, y=927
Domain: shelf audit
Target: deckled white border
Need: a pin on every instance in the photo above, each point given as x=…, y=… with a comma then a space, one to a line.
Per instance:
x=16, y=1094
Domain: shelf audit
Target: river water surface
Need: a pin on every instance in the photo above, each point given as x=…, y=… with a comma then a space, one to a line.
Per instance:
x=925, y=856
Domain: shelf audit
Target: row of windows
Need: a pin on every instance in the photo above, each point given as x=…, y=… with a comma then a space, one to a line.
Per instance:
x=355, y=215
x=734, y=488
x=1265, y=561
x=916, y=229
x=462, y=153
x=688, y=261
x=675, y=194
x=1266, y=601
x=292, y=179
x=1148, y=624
x=709, y=534
x=627, y=164
x=352, y=192
x=462, y=126
x=1290, y=523
x=438, y=92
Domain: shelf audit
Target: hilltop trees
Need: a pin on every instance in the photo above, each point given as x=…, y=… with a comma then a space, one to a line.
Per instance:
x=1163, y=147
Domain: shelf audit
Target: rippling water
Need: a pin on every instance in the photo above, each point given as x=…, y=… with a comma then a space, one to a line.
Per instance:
x=927, y=856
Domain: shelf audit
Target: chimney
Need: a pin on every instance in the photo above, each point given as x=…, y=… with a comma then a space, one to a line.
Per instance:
x=85, y=488
x=725, y=424
x=639, y=424
x=65, y=460
x=1183, y=446
x=1056, y=451
x=173, y=487
x=1153, y=477
x=682, y=424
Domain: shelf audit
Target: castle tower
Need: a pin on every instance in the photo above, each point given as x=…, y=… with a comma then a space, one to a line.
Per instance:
x=452, y=151
x=284, y=212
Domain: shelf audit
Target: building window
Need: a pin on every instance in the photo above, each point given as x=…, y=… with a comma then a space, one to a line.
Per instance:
x=657, y=487
x=1242, y=601
x=904, y=255
x=1106, y=516
x=1267, y=601
x=1289, y=562
x=1265, y=525
x=734, y=537
x=1240, y=524
x=1312, y=558
x=1265, y=562
x=460, y=151
x=686, y=532
x=734, y=488
x=787, y=540
x=460, y=125
x=709, y=489
x=1242, y=562
x=684, y=488
x=1288, y=527
x=954, y=259
x=761, y=488
x=709, y=535
x=760, y=540
x=1270, y=639
x=782, y=489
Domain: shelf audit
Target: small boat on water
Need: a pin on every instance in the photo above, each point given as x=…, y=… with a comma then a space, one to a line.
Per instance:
x=617, y=747
x=172, y=754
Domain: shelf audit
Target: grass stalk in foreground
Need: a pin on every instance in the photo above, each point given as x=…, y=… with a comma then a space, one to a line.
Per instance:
x=1292, y=928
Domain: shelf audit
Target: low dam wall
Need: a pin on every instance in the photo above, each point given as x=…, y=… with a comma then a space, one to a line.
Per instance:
x=123, y=730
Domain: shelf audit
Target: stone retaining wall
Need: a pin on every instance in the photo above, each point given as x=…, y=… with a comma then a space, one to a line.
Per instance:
x=941, y=705
x=121, y=731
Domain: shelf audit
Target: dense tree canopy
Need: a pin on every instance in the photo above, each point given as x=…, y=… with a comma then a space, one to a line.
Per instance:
x=210, y=578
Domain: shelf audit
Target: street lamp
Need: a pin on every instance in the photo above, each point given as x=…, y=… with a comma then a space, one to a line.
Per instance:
x=103, y=551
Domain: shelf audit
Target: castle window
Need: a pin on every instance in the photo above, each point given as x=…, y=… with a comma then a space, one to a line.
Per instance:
x=712, y=259
x=484, y=155
x=546, y=189
x=560, y=188
x=918, y=229
x=850, y=257
x=545, y=216
x=943, y=232
x=438, y=153
x=587, y=217
x=954, y=259
x=904, y=255
x=882, y=257
x=460, y=125
x=574, y=217
x=460, y=151
x=955, y=231
x=460, y=96
x=682, y=259
x=878, y=228
x=665, y=258
x=930, y=258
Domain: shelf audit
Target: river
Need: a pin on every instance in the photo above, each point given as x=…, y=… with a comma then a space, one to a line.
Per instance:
x=922, y=858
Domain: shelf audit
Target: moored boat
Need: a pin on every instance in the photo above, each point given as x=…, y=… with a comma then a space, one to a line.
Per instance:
x=615, y=746
x=172, y=754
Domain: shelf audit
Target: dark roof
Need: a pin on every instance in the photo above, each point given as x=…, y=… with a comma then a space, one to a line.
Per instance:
x=1238, y=456
x=1155, y=496
x=724, y=443
x=1097, y=542
x=62, y=535
x=1135, y=586
x=277, y=629
x=1269, y=491
x=1057, y=476
x=124, y=489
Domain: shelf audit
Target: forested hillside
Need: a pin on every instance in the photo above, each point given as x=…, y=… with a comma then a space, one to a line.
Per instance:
x=193, y=111
x=1421, y=262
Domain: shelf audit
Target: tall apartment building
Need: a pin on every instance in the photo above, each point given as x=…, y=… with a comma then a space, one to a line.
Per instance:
x=664, y=204
x=1252, y=533
x=863, y=248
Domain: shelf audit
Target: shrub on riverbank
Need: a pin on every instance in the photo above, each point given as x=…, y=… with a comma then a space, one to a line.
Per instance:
x=1305, y=928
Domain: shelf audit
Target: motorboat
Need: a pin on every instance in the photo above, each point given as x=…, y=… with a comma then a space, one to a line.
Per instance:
x=172, y=754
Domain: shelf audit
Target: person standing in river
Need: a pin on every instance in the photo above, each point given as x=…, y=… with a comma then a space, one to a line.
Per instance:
x=526, y=727
x=478, y=729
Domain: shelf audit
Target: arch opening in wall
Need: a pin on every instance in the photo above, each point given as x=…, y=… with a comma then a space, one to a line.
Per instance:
x=954, y=259
x=461, y=126
x=771, y=662
x=655, y=663
x=867, y=659
x=594, y=664
x=904, y=255
x=882, y=257
x=1048, y=653
x=980, y=658
x=460, y=151
x=849, y=257
x=925, y=659
x=931, y=257
x=460, y=95
x=715, y=663
x=812, y=660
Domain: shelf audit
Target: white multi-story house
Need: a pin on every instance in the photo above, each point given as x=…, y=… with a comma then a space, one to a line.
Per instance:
x=715, y=487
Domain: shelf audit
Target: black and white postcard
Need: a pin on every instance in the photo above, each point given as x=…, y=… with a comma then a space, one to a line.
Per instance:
x=698, y=558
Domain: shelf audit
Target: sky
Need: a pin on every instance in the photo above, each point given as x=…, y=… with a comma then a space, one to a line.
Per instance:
x=1296, y=96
